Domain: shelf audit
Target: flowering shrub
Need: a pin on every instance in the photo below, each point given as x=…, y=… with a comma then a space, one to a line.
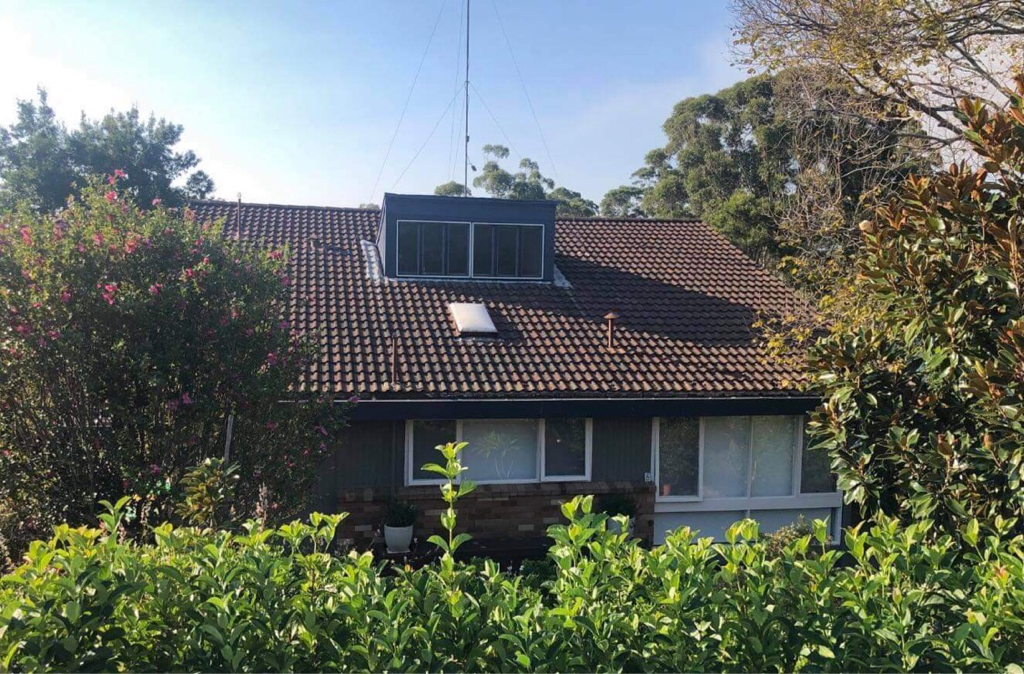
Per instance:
x=128, y=338
x=275, y=599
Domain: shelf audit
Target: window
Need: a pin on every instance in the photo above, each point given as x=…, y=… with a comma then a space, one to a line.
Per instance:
x=500, y=450
x=508, y=251
x=735, y=458
x=433, y=248
x=816, y=476
x=504, y=450
x=679, y=469
x=567, y=449
x=422, y=438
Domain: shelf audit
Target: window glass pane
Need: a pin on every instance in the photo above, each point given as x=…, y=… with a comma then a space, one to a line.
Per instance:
x=458, y=249
x=506, y=251
x=774, y=449
x=426, y=436
x=483, y=256
x=408, y=250
x=726, y=454
x=565, y=447
x=678, y=456
x=531, y=249
x=500, y=449
x=816, y=475
x=432, y=248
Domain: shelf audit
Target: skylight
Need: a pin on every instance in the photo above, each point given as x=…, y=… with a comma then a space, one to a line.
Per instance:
x=472, y=318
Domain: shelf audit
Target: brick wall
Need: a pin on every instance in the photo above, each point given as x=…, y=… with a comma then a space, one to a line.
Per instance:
x=490, y=511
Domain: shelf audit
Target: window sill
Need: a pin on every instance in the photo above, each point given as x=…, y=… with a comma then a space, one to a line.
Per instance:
x=802, y=501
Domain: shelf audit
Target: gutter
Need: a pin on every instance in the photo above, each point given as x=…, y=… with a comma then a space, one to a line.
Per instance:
x=514, y=408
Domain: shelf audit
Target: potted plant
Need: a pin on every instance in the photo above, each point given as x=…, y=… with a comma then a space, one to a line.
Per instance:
x=614, y=505
x=398, y=523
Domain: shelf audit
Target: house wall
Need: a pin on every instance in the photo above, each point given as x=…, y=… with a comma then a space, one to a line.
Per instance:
x=367, y=471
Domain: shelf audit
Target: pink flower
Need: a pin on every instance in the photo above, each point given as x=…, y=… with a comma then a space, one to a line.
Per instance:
x=186, y=399
x=81, y=248
x=26, y=236
x=320, y=429
x=271, y=425
x=155, y=469
x=109, y=290
x=271, y=359
x=276, y=255
x=131, y=244
x=157, y=201
x=65, y=296
x=97, y=239
x=23, y=330
x=354, y=399
x=156, y=288
x=53, y=334
x=110, y=196
x=120, y=174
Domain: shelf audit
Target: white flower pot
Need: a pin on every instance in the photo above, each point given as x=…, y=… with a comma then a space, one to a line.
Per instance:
x=398, y=538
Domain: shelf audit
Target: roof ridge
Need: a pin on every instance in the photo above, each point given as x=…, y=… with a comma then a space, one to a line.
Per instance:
x=598, y=218
x=227, y=202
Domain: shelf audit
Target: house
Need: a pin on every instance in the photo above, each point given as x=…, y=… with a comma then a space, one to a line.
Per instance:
x=573, y=355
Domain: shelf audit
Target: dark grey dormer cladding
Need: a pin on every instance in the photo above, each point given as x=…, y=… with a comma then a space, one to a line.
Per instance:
x=464, y=237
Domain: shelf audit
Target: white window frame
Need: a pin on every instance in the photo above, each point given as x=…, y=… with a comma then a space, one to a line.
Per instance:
x=469, y=274
x=472, y=248
x=588, y=454
x=795, y=501
x=472, y=252
x=656, y=465
x=411, y=469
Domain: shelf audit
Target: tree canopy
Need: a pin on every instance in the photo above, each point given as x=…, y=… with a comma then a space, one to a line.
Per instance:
x=42, y=163
x=748, y=158
x=525, y=184
x=913, y=58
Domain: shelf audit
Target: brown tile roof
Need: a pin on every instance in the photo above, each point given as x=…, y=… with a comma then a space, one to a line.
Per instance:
x=686, y=297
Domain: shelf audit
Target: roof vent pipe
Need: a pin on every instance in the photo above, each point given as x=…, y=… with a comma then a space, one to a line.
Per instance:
x=611, y=316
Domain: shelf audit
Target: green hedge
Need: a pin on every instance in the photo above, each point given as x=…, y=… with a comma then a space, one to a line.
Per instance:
x=907, y=599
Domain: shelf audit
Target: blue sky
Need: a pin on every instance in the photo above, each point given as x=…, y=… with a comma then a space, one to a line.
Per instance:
x=297, y=102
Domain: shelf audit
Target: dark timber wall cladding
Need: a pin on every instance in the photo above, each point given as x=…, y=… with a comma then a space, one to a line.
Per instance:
x=369, y=454
x=622, y=449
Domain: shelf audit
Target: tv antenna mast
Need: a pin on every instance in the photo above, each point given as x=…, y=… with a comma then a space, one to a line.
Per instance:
x=465, y=168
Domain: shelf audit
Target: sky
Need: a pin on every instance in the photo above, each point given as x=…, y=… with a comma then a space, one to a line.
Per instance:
x=298, y=102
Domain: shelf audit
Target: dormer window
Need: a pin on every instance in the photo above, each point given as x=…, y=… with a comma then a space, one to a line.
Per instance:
x=433, y=248
x=467, y=238
x=508, y=251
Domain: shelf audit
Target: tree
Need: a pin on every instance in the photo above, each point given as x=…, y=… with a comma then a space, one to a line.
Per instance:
x=131, y=341
x=924, y=411
x=623, y=202
x=572, y=204
x=915, y=57
x=42, y=163
x=452, y=189
x=528, y=183
x=765, y=164
x=728, y=160
x=36, y=158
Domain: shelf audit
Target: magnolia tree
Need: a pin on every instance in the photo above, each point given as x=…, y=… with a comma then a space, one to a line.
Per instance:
x=924, y=412
x=133, y=344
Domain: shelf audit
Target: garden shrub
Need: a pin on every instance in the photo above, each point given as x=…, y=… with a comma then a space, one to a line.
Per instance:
x=924, y=398
x=128, y=339
x=274, y=599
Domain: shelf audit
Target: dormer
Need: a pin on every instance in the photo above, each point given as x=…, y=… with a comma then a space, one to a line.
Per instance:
x=467, y=238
